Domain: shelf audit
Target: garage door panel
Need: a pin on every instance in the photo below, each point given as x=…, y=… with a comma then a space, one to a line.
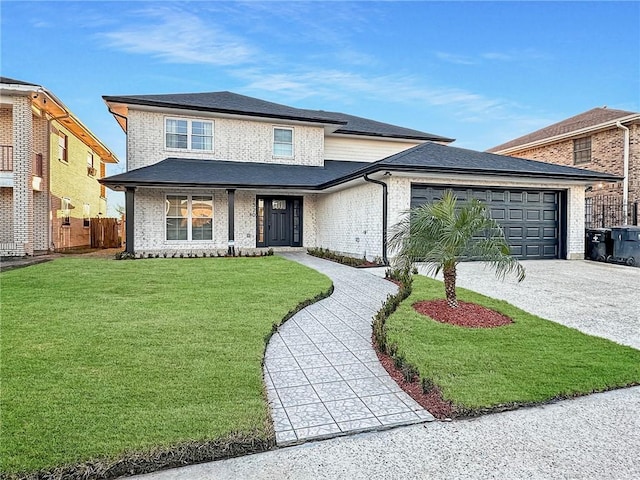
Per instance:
x=533, y=215
x=529, y=218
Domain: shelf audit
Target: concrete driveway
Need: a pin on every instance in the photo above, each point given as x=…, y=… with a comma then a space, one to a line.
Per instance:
x=596, y=298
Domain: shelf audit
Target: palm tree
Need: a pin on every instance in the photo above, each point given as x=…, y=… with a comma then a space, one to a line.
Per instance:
x=443, y=233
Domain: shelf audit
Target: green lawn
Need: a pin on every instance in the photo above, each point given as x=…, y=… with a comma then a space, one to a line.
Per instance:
x=531, y=360
x=99, y=356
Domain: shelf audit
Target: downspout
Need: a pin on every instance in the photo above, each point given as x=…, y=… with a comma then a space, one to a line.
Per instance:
x=384, y=215
x=625, y=182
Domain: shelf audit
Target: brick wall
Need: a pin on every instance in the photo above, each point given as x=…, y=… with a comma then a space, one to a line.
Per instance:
x=6, y=216
x=236, y=140
x=400, y=201
x=41, y=228
x=71, y=180
x=350, y=221
x=22, y=188
x=607, y=155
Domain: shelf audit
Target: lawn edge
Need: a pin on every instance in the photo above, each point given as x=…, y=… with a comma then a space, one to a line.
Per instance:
x=182, y=454
x=409, y=371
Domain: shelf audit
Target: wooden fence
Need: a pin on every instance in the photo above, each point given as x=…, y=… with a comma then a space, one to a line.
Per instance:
x=104, y=233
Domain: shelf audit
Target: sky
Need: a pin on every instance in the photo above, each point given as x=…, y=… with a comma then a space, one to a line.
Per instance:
x=480, y=72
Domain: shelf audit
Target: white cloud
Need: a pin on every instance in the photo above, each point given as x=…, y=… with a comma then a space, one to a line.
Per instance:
x=180, y=37
x=455, y=58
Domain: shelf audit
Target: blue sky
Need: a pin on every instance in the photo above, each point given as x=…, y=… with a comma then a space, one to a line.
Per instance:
x=480, y=72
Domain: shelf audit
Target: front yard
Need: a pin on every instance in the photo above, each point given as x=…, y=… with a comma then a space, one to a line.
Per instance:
x=529, y=361
x=101, y=357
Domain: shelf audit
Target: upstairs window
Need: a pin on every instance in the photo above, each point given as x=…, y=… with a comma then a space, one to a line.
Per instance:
x=582, y=150
x=63, y=144
x=90, y=168
x=185, y=134
x=283, y=142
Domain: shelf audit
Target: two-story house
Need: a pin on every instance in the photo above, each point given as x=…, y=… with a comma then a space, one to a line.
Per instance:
x=50, y=164
x=601, y=139
x=219, y=171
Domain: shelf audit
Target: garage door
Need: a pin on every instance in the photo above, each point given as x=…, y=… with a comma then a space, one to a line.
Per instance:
x=530, y=218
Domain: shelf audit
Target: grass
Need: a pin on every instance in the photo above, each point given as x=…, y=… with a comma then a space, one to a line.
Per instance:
x=100, y=357
x=530, y=361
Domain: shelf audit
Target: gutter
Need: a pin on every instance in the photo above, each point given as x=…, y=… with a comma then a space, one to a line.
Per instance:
x=384, y=215
x=625, y=182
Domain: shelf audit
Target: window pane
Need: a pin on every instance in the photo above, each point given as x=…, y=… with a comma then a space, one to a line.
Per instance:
x=176, y=229
x=176, y=126
x=202, y=143
x=202, y=217
x=177, y=206
x=201, y=128
x=176, y=141
x=282, y=135
x=282, y=150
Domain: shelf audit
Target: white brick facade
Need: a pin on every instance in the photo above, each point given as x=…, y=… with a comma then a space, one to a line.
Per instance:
x=350, y=221
x=150, y=221
x=235, y=140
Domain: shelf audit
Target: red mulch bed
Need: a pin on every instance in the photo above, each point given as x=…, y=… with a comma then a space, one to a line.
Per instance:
x=432, y=401
x=467, y=315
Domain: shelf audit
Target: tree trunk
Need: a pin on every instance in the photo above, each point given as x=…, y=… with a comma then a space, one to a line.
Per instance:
x=450, y=286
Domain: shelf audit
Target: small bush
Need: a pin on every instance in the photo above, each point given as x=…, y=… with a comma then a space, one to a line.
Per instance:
x=427, y=385
x=125, y=256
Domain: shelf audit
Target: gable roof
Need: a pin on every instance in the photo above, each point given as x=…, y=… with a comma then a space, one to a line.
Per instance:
x=428, y=157
x=235, y=104
x=595, y=117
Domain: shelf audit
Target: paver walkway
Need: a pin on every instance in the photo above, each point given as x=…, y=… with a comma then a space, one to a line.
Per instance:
x=323, y=377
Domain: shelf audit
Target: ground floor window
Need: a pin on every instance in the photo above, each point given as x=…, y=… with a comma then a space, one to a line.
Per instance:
x=189, y=217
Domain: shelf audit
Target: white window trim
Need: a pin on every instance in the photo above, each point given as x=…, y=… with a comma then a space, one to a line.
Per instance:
x=189, y=218
x=189, y=134
x=273, y=141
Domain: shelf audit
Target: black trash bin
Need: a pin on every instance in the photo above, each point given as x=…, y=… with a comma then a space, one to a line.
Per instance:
x=626, y=245
x=598, y=244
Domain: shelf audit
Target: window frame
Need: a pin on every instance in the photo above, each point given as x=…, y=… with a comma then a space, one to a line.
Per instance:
x=63, y=147
x=580, y=148
x=65, y=208
x=274, y=142
x=189, y=134
x=189, y=217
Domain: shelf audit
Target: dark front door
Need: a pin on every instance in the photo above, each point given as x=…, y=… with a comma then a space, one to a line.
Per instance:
x=279, y=221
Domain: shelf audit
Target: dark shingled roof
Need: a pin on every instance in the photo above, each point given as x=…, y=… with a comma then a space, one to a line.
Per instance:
x=233, y=103
x=433, y=157
x=13, y=81
x=225, y=174
x=590, y=118
x=426, y=158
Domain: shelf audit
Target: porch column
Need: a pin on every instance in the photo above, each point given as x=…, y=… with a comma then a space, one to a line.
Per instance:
x=129, y=198
x=22, y=188
x=231, y=216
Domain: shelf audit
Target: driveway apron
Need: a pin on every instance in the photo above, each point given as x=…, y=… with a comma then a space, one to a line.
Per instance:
x=322, y=374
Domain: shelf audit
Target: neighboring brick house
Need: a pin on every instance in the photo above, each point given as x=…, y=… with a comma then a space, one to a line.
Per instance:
x=211, y=172
x=602, y=140
x=50, y=164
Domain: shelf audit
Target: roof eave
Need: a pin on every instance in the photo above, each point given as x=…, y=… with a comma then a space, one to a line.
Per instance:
x=432, y=138
x=199, y=108
x=567, y=135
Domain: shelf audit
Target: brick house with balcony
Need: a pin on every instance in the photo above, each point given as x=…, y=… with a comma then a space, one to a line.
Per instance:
x=50, y=164
x=211, y=172
x=601, y=139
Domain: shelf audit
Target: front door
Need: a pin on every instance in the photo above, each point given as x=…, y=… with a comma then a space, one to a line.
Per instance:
x=278, y=221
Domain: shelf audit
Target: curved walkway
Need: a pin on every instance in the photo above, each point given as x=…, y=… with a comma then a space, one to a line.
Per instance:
x=323, y=377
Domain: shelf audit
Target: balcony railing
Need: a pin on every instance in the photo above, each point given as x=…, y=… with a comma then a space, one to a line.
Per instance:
x=6, y=158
